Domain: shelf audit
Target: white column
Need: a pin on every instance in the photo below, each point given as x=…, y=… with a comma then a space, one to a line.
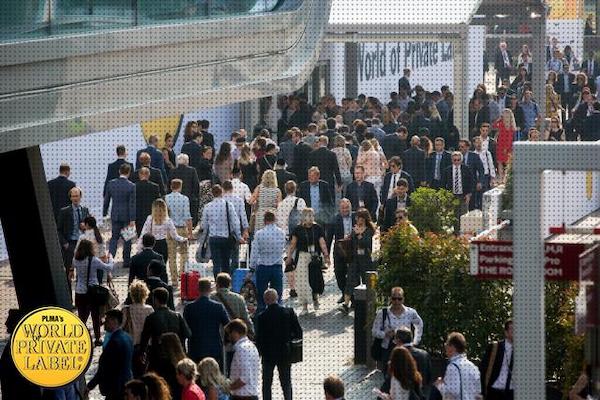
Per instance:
x=460, y=61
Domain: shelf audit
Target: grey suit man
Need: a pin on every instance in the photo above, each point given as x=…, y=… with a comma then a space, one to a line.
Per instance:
x=122, y=193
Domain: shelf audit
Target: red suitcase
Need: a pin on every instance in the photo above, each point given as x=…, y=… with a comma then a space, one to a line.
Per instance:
x=189, y=285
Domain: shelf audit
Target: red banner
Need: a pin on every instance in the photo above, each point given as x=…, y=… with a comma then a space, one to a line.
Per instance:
x=494, y=260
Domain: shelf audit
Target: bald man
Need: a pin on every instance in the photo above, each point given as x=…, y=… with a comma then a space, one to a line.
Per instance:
x=276, y=326
x=414, y=162
x=155, y=174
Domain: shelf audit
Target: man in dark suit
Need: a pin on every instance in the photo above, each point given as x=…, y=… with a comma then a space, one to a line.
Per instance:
x=414, y=161
x=59, y=188
x=122, y=193
x=114, y=366
x=503, y=63
x=145, y=194
x=153, y=281
x=141, y=261
x=391, y=179
x=362, y=194
x=478, y=115
x=283, y=175
x=154, y=174
x=208, y=138
x=301, y=156
x=326, y=161
x=458, y=179
x=322, y=194
x=113, y=167
x=404, y=83
x=564, y=86
x=70, y=219
x=487, y=142
x=190, y=186
x=436, y=163
x=156, y=156
x=205, y=317
x=590, y=67
x=341, y=229
x=193, y=149
x=276, y=326
x=162, y=320
x=473, y=161
x=591, y=125
x=496, y=367
x=394, y=144
x=399, y=200
x=351, y=146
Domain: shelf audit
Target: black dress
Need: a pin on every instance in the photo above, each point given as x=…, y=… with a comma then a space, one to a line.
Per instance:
x=249, y=175
x=361, y=259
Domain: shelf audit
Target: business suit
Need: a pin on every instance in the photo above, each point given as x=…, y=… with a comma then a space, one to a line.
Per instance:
x=114, y=366
x=145, y=194
x=414, y=164
x=590, y=67
x=156, y=160
x=476, y=118
x=404, y=83
x=326, y=161
x=340, y=266
x=393, y=146
x=301, y=160
x=326, y=200
x=282, y=177
x=59, y=188
x=430, y=163
x=566, y=96
x=502, y=70
x=467, y=182
x=276, y=326
x=64, y=226
x=387, y=184
x=368, y=199
x=154, y=282
x=205, y=317
x=155, y=177
x=162, y=320
x=473, y=161
x=194, y=153
x=389, y=216
x=140, y=262
x=190, y=188
x=122, y=193
x=113, y=171
x=496, y=365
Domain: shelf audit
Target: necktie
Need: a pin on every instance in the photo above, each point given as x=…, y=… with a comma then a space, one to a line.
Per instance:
x=437, y=167
x=391, y=189
x=78, y=215
x=456, y=181
x=509, y=376
x=465, y=158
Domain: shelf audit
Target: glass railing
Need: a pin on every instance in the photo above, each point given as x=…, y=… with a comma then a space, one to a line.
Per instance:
x=30, y=19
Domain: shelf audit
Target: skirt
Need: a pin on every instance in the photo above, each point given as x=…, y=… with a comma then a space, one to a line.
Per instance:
x=302, y=283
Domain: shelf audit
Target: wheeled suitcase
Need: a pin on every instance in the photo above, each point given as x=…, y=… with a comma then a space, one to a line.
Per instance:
x=189, y=284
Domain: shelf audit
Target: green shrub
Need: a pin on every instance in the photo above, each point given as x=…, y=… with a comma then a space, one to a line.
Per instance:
x=432, y=210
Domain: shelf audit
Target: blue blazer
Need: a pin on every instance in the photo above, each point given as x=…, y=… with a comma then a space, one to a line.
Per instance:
x=113, y=172
x=205, y=317
x=476, y=166
x=114, y=367
x=369, y=197
x=156, y=160
x=122, y=193
x=445, y=162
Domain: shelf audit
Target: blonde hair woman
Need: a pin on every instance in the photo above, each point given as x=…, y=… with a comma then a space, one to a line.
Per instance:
x=266, y=197
x=161, y=227
x=212, y=382
x=134, y=316
x=307, y=241
x=507, y=127
x=553, y=106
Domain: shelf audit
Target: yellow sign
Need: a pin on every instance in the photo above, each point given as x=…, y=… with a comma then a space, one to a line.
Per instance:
x=565, y=9
x=160, y=127
x=51, y=347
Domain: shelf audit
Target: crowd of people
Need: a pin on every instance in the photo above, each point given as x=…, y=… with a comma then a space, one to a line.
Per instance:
x=316, y=193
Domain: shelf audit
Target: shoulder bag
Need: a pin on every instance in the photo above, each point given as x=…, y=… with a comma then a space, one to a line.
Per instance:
x=315, y=268
x=376, y=349
x=97, y=294
x=295, y=345
x=231, y=237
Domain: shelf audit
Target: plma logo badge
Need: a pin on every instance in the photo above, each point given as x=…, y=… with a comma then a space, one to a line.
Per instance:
x=51, y=347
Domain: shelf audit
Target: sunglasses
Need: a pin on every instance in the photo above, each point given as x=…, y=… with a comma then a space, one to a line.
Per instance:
x=398, y=298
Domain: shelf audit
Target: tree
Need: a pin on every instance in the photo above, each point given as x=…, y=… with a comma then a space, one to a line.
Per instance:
x=432, y=210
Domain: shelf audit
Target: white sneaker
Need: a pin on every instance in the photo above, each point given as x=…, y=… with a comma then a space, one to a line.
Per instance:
x=316, y=304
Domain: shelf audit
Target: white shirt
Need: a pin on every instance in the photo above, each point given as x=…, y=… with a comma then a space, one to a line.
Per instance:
x=503, y=375
x=285, y=207
x=393, y=182
x=485, y=144
x=488, y=162
x=468, y=375
x=241, y=190
x=245, y=366
x=456, y=176
x=240, y=208
x=162, y=231
x=408, y=318
x=397, y=392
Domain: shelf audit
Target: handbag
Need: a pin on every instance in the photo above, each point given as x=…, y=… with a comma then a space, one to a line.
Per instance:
x=295, y=347
x=97, y=294
x=343, y=248
x=231, y=237
x=376, y=349
x=315, y=275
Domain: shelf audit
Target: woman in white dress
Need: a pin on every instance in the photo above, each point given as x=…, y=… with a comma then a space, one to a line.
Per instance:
x=266, y=197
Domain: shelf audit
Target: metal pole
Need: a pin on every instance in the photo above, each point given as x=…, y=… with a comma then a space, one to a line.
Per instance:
x=461, y=97
x=539, y=66
x=360, y=320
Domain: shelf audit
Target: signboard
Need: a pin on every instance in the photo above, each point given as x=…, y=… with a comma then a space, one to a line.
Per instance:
x=494, y=260
x=587, y=310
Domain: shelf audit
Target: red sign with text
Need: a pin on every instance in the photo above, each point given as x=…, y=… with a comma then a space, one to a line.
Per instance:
x=494, y=260
x=588, y=280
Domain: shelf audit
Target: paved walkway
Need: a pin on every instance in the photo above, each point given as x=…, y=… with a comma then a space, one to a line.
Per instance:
x=328, y=342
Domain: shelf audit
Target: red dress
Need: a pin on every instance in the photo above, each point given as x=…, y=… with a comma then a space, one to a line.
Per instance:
x=504, y=141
